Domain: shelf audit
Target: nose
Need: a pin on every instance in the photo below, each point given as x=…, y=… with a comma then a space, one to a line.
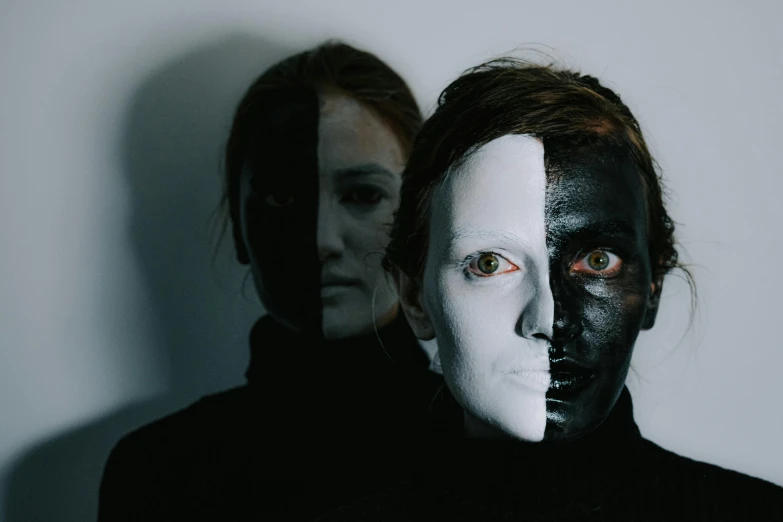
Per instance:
x=536, y=317
x=329, y=241
x=552, y=314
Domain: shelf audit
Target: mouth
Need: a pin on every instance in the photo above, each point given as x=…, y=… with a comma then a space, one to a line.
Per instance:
x=568, y=376
x=537, y=380
x=335, y=288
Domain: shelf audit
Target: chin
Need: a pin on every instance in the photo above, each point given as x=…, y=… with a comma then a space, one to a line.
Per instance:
x=556, y=433
x=573, y=415
x=301, y=325
x=337, y=325
x=338, y=333
x=520, y=415
x=564, y=428
x=524, y=431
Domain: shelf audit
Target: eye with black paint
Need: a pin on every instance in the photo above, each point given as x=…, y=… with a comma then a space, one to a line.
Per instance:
x=489, y=264
x=598, y=263
x=279, y=200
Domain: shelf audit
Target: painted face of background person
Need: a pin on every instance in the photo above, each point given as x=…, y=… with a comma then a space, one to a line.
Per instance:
x=360, y=162
x=315, y=211
x=536, y=283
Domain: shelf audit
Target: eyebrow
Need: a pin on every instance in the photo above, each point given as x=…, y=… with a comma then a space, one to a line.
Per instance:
x=603, y=228
x=365, y=169
x=462, y=233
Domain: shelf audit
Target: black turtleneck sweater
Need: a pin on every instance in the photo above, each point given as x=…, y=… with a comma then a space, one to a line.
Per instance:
x=308, y=432
x=611, y=474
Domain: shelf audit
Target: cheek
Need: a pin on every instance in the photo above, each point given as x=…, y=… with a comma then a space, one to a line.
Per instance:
x=260, y=230
x=475, y=327
x=368, y=232
x=613, y=317
x=469, y=325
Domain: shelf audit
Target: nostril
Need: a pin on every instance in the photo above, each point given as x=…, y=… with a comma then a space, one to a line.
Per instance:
x=540, y=336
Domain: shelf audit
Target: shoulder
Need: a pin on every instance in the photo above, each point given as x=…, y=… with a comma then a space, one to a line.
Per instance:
x=153, y=465
x=694, y=483
x=177, y=437
x=199, y=421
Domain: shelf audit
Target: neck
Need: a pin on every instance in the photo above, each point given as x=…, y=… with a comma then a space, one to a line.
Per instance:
x=274, y=346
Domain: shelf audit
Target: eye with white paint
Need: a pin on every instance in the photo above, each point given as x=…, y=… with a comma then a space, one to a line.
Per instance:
x=489, y=264
x=598, y=263
x=363, y=196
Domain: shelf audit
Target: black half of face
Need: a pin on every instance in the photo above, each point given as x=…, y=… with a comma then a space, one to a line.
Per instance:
x=279, y=208
x=596, y=215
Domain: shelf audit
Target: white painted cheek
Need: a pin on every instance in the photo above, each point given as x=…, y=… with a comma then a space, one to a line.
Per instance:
x=366, y=236
x=332, y=242
x=485, y=349
x=336, y=323
x=493, y=361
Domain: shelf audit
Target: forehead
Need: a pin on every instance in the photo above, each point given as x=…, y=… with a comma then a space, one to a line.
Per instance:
x=501, y=186
x=351, y=133
x=284, y=135
x=288, y=116
x=511, y=181
x=592, y=182
x=305, y=133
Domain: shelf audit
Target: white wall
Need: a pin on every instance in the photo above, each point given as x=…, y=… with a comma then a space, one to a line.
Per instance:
x=112, y=115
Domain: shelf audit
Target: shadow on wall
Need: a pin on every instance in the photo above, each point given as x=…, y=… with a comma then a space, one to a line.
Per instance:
x=172, y=142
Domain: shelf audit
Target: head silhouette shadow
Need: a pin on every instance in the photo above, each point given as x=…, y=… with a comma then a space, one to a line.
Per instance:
x=171, y=151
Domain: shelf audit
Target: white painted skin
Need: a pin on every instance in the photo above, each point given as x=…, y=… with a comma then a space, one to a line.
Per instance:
x=356, y=151
x=493, y=331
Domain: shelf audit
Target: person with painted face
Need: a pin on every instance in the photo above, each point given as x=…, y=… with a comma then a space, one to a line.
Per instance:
x=313, y=172
x=532, y=242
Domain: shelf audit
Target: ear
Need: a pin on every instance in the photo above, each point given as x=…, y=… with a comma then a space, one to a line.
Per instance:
x=652, y=302
x=409, y=291
x=239, y=241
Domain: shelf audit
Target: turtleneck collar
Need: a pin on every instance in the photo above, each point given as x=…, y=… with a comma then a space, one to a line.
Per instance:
x=450, y=477
x=273, y=345
x=609, y=449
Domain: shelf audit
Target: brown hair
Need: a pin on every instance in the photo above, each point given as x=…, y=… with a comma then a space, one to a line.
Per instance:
x=514, y=96
x=332, y=65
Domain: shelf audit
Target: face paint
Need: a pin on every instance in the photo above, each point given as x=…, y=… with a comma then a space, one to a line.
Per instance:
x=278, y=209
x=359, y=163
x=600, y=276
x=536, y=282
x=486, y=287
x=317, y=196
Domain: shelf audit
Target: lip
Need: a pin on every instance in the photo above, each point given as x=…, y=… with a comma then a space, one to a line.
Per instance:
x=334, y=288
x=537, y=380
x=568, y=376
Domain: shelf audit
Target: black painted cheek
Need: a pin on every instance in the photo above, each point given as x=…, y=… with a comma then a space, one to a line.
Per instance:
x=280, y=212
x=594, y=200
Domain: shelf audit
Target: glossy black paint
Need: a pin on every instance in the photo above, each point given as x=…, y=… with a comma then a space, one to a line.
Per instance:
x=279, y=209
x=594, y=201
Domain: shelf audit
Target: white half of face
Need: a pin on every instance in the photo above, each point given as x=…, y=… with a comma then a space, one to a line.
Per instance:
x=360, y=161
x=493, y=330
